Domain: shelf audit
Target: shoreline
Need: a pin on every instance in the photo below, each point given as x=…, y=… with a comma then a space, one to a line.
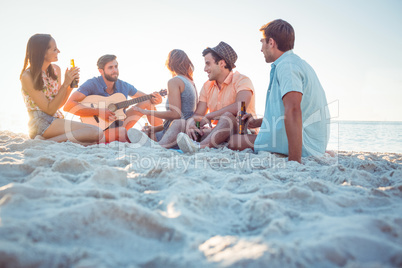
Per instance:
x=24, y=135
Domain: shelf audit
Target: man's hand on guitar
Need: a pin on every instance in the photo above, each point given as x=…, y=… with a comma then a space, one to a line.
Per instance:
x=156, y=98
x=107, y=115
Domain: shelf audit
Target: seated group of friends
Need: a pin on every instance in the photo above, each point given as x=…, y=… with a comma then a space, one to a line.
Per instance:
x=295, y=121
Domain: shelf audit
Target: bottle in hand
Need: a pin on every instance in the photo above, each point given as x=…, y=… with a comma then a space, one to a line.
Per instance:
x=241, y=122
x=197, y=124
x=74, y=84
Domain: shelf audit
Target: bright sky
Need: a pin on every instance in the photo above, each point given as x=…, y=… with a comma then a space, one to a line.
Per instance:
x=354, y=46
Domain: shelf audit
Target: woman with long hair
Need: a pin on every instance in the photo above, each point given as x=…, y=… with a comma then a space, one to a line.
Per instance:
x=44, y=95
x=181, y=103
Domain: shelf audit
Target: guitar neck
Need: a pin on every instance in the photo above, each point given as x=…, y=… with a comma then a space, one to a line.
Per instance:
x=125, y=104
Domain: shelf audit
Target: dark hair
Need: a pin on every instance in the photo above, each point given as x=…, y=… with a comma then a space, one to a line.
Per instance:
x=102, y=61
x=37, y=46
x=282, y=32
x=179, y=63
x=216, y=57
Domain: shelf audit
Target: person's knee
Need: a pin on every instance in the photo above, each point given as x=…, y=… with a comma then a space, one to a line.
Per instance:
x=228, y=115
x=95, y=133
x=178, y=123
x=228, y=118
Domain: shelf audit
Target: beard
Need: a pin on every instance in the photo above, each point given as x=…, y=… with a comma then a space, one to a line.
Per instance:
x=268, y=58
x=111, y=78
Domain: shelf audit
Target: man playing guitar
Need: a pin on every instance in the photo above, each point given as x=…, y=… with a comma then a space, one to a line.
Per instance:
x=106, y=85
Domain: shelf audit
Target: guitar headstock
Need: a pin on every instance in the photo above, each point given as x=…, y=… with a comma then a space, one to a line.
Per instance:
x=163, y=92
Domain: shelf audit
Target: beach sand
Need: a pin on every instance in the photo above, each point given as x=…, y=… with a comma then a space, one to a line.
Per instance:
x=115, y=205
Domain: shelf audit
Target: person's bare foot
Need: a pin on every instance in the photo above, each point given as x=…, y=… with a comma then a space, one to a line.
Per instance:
x=331, y=153
x=39, y=137
x=138, y=137
x=186, y=144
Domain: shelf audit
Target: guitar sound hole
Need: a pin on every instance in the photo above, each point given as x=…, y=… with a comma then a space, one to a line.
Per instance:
x=112, y=107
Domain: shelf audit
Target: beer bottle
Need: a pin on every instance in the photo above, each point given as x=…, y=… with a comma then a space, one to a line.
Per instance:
x=146, y=128
x=241, y=122
x=74, y=84
x=197, y=124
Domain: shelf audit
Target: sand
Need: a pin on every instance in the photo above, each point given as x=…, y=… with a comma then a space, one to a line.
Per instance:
x=115, y=205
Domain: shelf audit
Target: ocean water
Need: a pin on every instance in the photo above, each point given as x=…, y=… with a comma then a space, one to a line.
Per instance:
x=366, y=136
x=360, y=136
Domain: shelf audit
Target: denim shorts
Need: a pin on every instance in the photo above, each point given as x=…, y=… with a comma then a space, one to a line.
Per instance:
x=159, y=135
x=38, y=122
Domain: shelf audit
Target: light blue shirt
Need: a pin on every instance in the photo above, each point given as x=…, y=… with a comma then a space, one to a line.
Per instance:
x=290, y=73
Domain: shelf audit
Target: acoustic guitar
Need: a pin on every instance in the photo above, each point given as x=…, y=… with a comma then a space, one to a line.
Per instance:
x=115, y=103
